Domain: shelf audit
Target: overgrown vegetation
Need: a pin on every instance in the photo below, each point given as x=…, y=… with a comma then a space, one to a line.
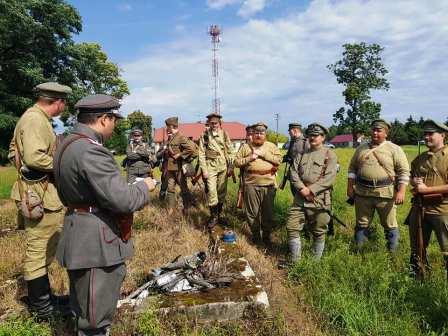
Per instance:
x=346, y=293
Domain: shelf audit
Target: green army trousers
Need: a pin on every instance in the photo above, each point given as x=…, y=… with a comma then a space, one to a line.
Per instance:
x=431, y=222
x=365, y=207
x=41, y=239
x=258, y=207
x=316, y=220
x=217, y=187
x=172, y=179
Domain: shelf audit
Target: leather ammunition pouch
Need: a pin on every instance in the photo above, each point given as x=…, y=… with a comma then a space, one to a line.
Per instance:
x=188, y=169
x=432, y=199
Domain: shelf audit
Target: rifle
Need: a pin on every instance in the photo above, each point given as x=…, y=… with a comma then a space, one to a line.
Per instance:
x=321, y=206
x=240, y=199
x=421, y=250
x=286, y=174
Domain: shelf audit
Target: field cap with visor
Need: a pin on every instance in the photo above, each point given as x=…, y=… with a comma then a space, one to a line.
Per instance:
x=316, y=129
x=380, y=123
x=99, y=104
x=52, y=90
x=431, y=126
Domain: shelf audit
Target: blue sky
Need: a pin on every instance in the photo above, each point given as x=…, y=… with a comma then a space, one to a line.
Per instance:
x=273, y=55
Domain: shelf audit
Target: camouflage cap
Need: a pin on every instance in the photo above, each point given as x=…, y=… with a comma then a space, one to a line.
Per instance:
x=53, y=90
x=316, y=129
x=380, y=123
x=259, y=126
x=214, y=117
x=172, y=121
x=136, y=130
x=431, y=126
x=294, y=125
x=99, y=104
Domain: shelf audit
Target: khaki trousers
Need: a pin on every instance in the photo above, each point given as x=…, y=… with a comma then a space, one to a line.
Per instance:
x=365, y=207
x=217, y=187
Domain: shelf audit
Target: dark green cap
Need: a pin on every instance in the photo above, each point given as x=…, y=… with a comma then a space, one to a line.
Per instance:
x=259, y=126
x=431, y=126
x=294, y=125
x=172, y=121
x=52, y=90
x=316, y=129
x=99, y=104
x=380, y=123
x=136, y=130
x=214, y=116
x=248, y=128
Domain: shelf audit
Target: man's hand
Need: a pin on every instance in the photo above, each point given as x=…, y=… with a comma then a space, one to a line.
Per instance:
x=176, y=156
x=421, y=188
x=253, y=156
x=399, y=196
x=205, y=175
x=305, y=191
x=258, y=151
x=150, y=183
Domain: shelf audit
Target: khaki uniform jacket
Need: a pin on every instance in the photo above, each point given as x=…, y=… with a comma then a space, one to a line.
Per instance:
x=179, y=144
x=365, y=165
x=34, y=138
x=139, y=159
x=88, y=175
x=433, y=168
x=315, y=169
x=215, y=151
x=269, y=160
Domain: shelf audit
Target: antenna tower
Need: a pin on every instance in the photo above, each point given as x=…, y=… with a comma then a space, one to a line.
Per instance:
x=215, y=32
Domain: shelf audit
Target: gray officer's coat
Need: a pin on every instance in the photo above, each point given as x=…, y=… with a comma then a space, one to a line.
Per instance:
x=139, y=159
x=87, y=174
x=297, y=145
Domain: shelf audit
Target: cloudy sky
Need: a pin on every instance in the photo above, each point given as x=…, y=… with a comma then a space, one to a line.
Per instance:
x=273, y=55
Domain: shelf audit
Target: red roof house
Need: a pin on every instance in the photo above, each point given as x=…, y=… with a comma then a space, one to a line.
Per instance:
x=236, y=131
x=342, y=140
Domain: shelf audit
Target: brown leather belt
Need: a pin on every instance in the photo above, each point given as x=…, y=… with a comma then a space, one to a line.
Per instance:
x=372, y=184
x=261, y=172
x=83, y=208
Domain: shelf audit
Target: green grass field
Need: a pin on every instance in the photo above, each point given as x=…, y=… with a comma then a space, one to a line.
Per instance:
x=357, y=293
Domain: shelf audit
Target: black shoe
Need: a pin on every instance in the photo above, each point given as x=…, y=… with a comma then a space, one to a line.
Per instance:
x=39, y=298
x=214, y=217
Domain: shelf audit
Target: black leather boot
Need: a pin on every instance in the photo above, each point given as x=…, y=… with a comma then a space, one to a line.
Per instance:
x=39, y=298
x=214, y=217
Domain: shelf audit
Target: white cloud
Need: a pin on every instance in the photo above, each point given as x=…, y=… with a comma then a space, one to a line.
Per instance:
x=251, y=7
x=279, y=66
x=219, y=4
x=124, y=7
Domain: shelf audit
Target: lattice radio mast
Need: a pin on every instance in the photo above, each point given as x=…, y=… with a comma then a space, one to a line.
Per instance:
x=215, y=32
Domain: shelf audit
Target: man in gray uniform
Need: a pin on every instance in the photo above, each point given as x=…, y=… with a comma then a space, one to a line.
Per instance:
x=95, y=238
x=139, y=159
x=297, y=145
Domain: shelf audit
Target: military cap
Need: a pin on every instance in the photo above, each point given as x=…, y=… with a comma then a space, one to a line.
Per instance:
x=380, y=123
x=53, y=90
x=259, y=126
x=99, y=104
x=316, y=129
x=136, y=130
x=294, y=125
x=214, y=116
x=433, y=126
x=248, y=128
x=172, y=121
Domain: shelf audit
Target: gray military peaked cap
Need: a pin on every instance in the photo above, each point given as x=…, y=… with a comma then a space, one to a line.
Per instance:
x=433, y=126
x=99, y=103
x=53, y=90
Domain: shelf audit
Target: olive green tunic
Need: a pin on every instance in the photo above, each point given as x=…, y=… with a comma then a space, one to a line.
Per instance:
x=34, y=138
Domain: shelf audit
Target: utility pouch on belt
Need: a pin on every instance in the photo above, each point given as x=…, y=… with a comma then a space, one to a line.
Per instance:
x=188, y=169
x=432, y=199
x=31, y=205
x=125, y=222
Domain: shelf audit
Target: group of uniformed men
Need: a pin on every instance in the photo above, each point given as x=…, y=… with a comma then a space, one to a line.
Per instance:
x=78, y=183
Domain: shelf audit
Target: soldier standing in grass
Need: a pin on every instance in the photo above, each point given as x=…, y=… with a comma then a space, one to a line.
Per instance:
x=216, y=156
x=313, y=174
x=297, y=145
x=260, y=160
x=179, y=150
x=429, y=177
x=377, y=178
x=139, y=159
x=95, y=239
x=32, y=148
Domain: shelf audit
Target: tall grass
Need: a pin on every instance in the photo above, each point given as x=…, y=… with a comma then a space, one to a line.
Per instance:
x=8, y=176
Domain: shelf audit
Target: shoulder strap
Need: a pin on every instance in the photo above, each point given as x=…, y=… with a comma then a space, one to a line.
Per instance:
x=382, y=165
x=324, y=167
x=64, y=146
